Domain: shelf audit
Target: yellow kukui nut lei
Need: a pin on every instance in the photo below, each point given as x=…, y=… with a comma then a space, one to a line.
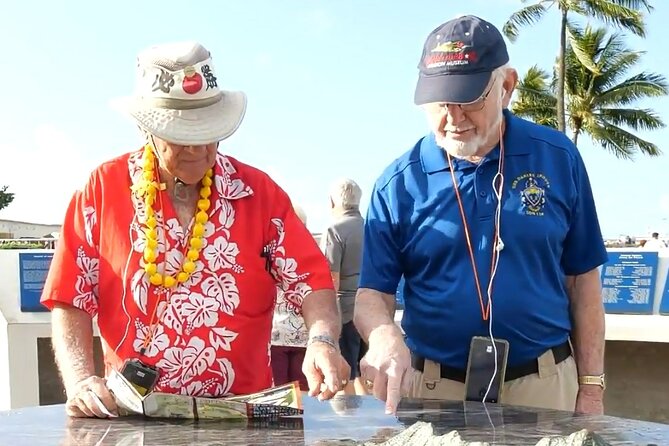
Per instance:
x=147, y=188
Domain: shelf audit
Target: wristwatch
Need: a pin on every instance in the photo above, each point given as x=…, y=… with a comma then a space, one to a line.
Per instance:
x=325, y=339
x=593, y=380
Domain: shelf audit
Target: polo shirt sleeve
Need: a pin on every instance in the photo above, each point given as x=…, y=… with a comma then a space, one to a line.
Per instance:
x=381, y=262
x=73, y=275
x=584, y=248
x=333, y=249
x=298, y=265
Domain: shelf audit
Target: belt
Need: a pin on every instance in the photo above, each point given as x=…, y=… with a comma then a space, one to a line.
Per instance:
x=561, y=352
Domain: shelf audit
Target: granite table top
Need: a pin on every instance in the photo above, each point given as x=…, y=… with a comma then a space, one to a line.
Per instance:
x=344, y=420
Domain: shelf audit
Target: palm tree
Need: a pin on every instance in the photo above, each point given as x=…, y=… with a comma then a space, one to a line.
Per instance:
x=536, y=98
x=625, y=14
x=599, y=94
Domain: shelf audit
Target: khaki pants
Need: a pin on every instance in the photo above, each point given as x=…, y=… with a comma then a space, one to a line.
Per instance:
x=554, y=387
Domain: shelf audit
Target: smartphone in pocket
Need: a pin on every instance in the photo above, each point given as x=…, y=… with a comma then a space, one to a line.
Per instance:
x=482, y=367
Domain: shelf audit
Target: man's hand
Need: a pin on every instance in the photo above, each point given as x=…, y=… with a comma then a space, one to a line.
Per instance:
x=590, y=400
x=387, y=365
x=84, y=400
x=326, y=370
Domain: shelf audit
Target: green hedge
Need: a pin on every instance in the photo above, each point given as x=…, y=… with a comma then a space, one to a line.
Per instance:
x=23, y=245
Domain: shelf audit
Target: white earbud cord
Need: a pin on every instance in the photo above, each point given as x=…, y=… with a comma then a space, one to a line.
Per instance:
x=125, y=280
x=497, y=245
x=135, y=220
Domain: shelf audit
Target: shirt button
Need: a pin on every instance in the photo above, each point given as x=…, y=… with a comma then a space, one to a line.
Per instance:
x=482, y=193
x=479, y=172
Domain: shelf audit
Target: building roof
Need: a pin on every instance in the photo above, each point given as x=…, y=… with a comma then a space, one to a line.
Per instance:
x=5, y=220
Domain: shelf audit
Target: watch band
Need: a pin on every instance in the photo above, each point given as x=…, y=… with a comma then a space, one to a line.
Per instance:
x=325, y=339
x=593, y=380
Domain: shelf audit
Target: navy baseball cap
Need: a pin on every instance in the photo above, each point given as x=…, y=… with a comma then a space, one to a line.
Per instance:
x=458, y=59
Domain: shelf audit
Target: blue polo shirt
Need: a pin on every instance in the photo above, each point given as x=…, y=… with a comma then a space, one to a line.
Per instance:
x=549, y=228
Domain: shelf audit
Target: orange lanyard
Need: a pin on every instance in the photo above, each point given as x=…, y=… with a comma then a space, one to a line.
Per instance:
x=485, y=308
x=152, y=327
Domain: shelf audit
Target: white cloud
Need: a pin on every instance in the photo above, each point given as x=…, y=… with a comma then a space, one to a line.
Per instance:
x=43, y=174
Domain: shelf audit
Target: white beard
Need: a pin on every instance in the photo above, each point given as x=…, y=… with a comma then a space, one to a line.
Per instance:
x=466, y=149
x=461, y=149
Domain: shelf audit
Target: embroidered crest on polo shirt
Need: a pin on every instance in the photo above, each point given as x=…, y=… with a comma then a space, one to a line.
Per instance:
x=532, y=189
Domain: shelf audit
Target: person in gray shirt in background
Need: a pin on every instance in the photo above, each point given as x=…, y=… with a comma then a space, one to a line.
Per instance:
x=342, y=245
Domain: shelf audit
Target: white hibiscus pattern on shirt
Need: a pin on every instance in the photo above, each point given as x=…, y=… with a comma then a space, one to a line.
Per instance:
x=223, y=288
x=90, y=221
x=288, y=327
x=158, y=340
x=222, y=254
x=199, y=311
x=86, y=283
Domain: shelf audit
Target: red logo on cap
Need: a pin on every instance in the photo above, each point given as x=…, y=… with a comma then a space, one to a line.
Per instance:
x=454, y=52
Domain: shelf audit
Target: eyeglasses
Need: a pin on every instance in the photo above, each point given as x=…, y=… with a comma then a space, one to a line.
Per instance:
x=469, y=107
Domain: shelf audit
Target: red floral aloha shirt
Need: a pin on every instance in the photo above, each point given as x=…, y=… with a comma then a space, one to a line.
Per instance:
x=213, y=335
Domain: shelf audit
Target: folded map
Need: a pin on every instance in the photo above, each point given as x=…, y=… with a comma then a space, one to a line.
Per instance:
x=285, y=400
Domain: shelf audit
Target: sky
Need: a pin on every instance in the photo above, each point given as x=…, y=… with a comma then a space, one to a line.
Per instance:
x=330, y=94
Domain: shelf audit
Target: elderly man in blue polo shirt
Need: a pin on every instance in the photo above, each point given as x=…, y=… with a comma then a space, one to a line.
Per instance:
x=492, y=223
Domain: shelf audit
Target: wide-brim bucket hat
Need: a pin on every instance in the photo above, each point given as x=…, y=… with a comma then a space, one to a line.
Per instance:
x=177, y=97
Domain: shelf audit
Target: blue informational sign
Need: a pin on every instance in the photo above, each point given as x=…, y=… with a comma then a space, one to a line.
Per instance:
x=628, y=282
x=33, y=268
x=664, y=303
